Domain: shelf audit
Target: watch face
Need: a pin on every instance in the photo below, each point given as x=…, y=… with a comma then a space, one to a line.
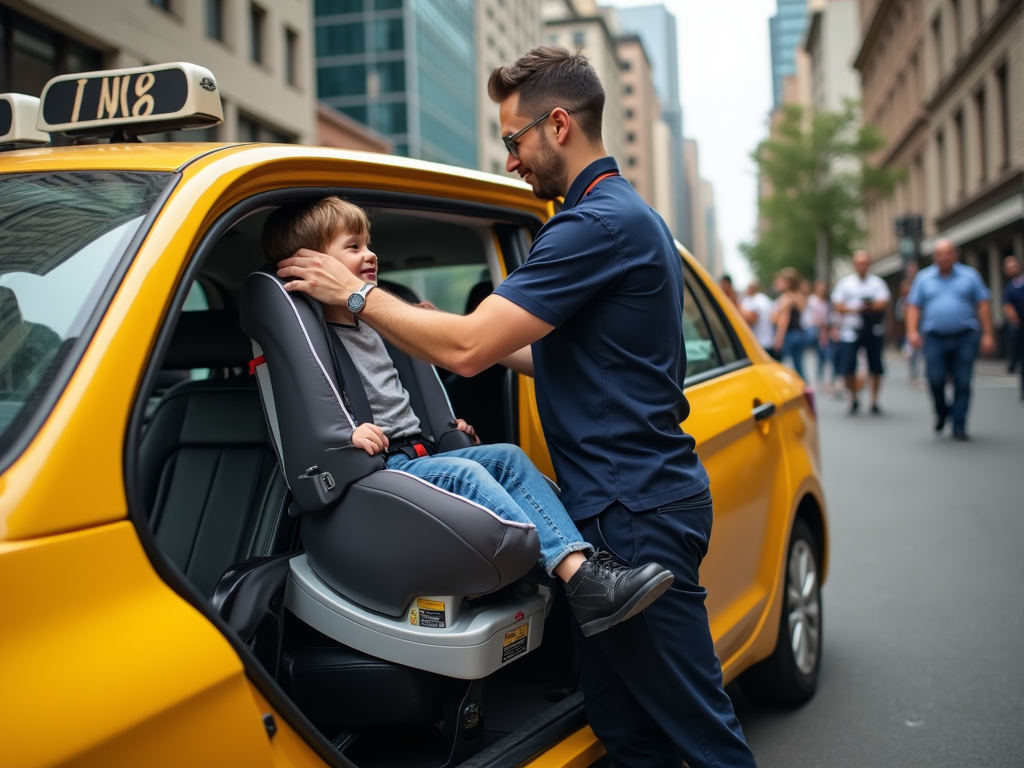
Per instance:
x=355, y=302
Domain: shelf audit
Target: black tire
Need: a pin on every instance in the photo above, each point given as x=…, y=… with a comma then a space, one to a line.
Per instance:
x=787, y=677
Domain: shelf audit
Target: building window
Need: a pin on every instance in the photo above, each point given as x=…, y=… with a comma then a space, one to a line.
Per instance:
x=162, y=4
x=628, y=90
x=961, y=153
x=626, y=66
x=630, y=114
x=291, y=56
x=979, y=108
x=340, y=39
x=579, y=39
x=1003, y=90
x=495, y=130
x=257, y=24
x=630, y=137
x=215, y=19
x=958, y=25
x=31, y=54
x=940, y=148
x=251, y=129
x=940, y=58
x=631, y=161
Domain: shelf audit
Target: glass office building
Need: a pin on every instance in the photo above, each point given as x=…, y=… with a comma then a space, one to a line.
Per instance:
x=405, y=68
x=786, y=29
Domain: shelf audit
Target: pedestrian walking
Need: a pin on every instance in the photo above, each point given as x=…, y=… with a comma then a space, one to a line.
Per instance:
x=790, y=336
x=947, y=311
x=757, y=309
x=725, y=283
x=1013, y=309
x=908, y=350
x=577, y=317
x=815, y=320
x=861, y=299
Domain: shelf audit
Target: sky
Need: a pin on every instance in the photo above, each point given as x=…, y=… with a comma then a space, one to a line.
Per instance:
x=726, y=92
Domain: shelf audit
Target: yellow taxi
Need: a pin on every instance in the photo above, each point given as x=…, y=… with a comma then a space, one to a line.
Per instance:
x=138, y=483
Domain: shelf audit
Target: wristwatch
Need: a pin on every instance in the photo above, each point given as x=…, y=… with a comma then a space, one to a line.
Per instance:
x=357, y=300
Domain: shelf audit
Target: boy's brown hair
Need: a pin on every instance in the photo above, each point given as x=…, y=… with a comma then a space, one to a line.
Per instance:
x=311, y=225
x=549, y=77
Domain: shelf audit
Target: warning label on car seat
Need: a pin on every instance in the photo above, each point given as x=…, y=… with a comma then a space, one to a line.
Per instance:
x=515, y=642
x=431, y=613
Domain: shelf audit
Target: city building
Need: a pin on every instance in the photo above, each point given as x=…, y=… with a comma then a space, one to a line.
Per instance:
x=944, y=81
x=640, y=111
x=505, y=30
x=786, y=30
x=698, y=213
x=831, y=43
x=406, y=68
x=582, y=24
x=656, y=28
x=259, y=53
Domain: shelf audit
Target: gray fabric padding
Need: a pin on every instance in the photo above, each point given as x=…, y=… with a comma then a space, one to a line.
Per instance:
x=316, y=430
x=428, y=542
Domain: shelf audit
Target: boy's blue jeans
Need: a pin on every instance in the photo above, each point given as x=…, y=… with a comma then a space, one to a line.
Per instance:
x=503, y=479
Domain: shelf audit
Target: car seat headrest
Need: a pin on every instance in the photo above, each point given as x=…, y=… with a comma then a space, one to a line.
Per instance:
x=209, y=339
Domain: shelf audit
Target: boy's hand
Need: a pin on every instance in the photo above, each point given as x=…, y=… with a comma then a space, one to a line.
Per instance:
x=370, y=438
x=462, y=426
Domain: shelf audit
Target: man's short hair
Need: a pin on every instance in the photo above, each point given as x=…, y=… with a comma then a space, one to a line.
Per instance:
x=548, y=77
x=310, y=225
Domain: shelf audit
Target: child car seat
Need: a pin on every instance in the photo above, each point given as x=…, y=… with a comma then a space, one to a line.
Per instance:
x=389, y=558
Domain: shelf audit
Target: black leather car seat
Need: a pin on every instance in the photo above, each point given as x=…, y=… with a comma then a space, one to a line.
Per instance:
x=210, y=478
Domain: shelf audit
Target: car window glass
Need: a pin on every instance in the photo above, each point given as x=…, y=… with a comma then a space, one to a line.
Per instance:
x=447, y=288
x=61, y=238
x=701, y=355
x=712, y=315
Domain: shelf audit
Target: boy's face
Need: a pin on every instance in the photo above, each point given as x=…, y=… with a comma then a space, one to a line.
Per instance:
x=353, y=251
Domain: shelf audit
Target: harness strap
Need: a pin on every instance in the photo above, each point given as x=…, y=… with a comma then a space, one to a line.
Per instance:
x=600, y=178
x=254, y=364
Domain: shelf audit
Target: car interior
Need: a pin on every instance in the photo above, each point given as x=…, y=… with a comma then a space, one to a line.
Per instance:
x=220, y=510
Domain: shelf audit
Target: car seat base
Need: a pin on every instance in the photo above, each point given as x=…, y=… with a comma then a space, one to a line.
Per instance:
x=482, y=638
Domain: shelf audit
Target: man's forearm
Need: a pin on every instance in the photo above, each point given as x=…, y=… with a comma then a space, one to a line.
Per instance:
x=913, y=316
x=985, y=317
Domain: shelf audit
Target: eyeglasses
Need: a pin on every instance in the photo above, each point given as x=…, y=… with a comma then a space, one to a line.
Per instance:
x=511, y=141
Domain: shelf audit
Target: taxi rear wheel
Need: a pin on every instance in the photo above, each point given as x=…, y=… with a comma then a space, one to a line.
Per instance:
x=790, y=675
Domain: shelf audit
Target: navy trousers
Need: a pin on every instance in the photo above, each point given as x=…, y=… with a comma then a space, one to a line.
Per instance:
x=652, y=685
x=951, y=357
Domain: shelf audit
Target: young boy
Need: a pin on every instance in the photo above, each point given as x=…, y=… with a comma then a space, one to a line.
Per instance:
x=601, y=591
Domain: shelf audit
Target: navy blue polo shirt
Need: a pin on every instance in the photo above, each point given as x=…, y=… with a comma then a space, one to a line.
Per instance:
x=606, y=273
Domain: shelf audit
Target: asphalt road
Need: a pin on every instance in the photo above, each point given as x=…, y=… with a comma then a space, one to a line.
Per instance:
x=924, y=604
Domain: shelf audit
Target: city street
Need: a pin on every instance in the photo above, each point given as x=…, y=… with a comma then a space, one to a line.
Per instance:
x=923, y=611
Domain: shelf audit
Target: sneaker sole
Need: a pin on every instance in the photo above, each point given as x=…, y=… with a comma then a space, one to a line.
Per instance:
x=646, y=595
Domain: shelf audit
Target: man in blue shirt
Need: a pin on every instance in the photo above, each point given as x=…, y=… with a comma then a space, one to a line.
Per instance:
x=947, y=309
x=1013, y=309
x=578, y=317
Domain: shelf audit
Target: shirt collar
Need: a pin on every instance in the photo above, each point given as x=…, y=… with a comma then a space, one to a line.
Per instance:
x=587, y=175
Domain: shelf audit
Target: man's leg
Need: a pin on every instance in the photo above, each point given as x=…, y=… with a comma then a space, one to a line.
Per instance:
x=935, y=368
x=846, y=366
x=873, y=346
x=964, y=352
x=665, y=656
x=535, y=502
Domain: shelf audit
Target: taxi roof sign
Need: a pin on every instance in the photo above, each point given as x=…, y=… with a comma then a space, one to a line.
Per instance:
x=18, y=120
x=130, y=102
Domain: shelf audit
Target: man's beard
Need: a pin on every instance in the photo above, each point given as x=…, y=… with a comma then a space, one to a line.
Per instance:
x=548, y=172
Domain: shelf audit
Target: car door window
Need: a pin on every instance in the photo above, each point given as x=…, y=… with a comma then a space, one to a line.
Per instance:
x=728, y=348
x=701, y=355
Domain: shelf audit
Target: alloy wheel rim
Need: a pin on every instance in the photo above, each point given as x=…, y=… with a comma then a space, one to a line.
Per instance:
x=803, y=604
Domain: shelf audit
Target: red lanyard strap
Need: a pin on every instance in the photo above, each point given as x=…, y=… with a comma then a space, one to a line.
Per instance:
x=602, y=177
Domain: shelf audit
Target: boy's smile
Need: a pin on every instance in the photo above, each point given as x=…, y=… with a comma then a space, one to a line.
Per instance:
x=354, y=252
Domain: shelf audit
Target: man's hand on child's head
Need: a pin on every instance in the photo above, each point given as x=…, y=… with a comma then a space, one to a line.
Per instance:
x=462, y=426
x=370, y=438
x=320, y=276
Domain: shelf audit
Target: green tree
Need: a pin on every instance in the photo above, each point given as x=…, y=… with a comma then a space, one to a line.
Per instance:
x=819, y=172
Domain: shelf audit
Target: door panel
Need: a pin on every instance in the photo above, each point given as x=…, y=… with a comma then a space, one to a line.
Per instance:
x=126, y=672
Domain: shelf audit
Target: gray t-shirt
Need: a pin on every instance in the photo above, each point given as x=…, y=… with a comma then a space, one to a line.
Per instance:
x=389, y=402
